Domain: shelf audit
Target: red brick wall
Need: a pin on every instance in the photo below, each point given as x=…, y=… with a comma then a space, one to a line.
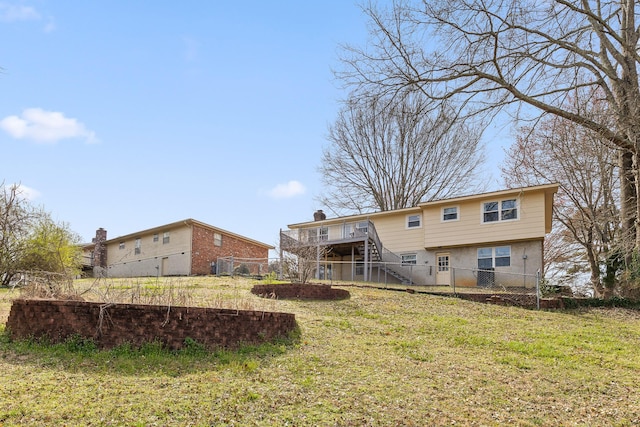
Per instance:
x=137, y=324
x=300, y=291
x=204, y=252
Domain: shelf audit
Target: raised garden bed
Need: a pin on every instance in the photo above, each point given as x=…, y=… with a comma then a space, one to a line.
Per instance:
x=111, y=325
x=300, y=291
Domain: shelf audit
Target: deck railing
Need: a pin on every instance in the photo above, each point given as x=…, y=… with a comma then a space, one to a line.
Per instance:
x=343, y=232
x=350, y=232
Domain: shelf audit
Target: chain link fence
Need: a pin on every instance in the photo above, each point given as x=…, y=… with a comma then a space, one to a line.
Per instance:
x=236, y=266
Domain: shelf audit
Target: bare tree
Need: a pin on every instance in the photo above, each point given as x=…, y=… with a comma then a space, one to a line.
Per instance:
x=16, y=219
x=393, y=153
x=301, y=262
x=586, y=207
x=301, y=258
x=530, y=55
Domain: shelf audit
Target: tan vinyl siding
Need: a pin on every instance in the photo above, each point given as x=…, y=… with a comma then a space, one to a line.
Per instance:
x=470, y=230
x=126, y=263
x=394, y=234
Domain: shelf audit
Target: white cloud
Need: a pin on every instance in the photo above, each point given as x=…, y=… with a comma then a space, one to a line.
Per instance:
x=288, y=190
x=25, y=192
x=39, y=125
x=17, y=12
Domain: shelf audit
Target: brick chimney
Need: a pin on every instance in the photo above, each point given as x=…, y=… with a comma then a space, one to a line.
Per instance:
x=319, y=215
x=100, y=250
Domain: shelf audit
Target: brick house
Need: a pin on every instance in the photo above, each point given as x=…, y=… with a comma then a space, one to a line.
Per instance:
x=182, y=248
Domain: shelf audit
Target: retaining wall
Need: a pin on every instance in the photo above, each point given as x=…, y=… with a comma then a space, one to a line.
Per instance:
x=300, y=291
x=110, y=325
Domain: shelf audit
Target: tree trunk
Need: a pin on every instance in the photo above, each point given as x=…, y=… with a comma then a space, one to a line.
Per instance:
x=629, y=207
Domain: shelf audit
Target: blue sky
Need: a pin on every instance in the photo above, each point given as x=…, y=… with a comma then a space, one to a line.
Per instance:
x=131, y=115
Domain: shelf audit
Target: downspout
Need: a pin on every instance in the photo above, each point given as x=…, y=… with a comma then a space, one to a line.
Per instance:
x=524, y=268
x=190, y=247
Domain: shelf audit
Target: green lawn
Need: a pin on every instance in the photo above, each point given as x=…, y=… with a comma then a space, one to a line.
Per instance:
x=380, y=358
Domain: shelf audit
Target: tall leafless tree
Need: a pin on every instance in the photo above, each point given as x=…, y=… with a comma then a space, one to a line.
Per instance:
x=586, y=207
x=392, y=153
x=530, y=55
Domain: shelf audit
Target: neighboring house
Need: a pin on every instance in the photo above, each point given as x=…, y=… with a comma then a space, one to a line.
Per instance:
x=482, y=239
x=182, y=248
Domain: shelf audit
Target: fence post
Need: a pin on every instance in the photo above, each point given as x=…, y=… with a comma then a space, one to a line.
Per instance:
x=385, y=275
x=411, y=275
x=538, y=289
x=453, y=279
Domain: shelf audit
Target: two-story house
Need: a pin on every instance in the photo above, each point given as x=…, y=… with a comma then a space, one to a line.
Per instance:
x=182, y=248
x=481, y=239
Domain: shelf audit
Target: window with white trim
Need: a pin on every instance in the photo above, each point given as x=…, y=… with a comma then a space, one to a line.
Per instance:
x=323, y=234
x=503, y=210
x=138, y=247
x=217, y=239
x=414, y=221
x=165, y=238
x=121, y=245
x=408, y=259
x=450, y=213
x=155, y=237
x=362, y=228
x=499, y=256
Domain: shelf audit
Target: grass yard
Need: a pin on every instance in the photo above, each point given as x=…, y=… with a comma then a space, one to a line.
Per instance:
x=380, y=358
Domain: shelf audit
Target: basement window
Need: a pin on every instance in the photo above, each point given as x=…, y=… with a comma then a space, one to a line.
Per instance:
x=409, y=259
x=494, y=257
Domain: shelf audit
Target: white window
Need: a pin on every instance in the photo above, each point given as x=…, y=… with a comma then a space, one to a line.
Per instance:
x=499, y=256
x=165, y=238
x=217, y=239
x=485, y=258
x=443, y=263
x=450, y=213
x=362, y=228
x=414, y=221
x=138, y=246
x=504, y=210
x=155, y=237
x=121, y=245
x=502, y=256
x=409, y=259
x=323, y=234
x=508, y=210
